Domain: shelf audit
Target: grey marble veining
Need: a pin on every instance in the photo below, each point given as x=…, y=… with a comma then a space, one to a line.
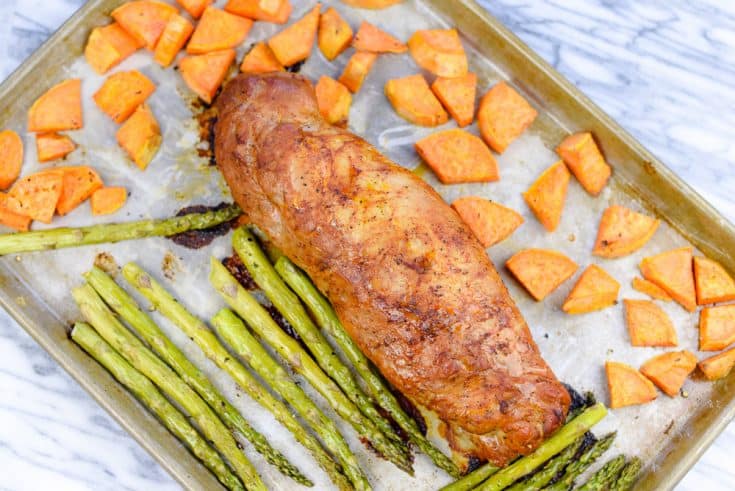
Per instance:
x=665, y=69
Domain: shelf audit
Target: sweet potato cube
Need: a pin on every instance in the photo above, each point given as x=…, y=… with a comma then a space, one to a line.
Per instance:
x=11, y=157
x=718, y=366
x=648, y=325
x=503, y=115
x=371, y=4
x=672, y=271
x=140, y=136
x=371, y=38
x=53, y=146
x=11, y=218
x=108, y=200
x=218, y=30
x=334, y=100
x=78, y=184
x=205, y=73
x=580, y=153
x=174, y=38
x=122, y=93
x=59, y=109
x=294, y=43
x=36, y=195
x=276, y=11
x=457, y=156
x=650, y=289
x=439, y=51
x=623, y=231
x=414, y=101
x=260, y=59
x=546, y=196
x=194, y=7
x=490, y=222
x=457, y=95
x=595, y=290
x=712, y=282
x=357, y=68
x=145, y=20
x=541, y=271
x=627, y=386
x=334, y=35
x=669, y=370
x=108, y=46
x=716, y=327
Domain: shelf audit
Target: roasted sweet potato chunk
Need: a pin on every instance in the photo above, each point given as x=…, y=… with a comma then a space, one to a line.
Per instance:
x=122, y=93
x=669, y=370
x=78, y=184
x=650, y=289
x=11, y=157
x=546, y=196
x=294, y=43
x=627, y=386
x=140, y=136
x=334, y=100
x=595, y=290
x=9, y=216
x=580, y=153
x=672, y=271
x=371, y=38
x=414, y=101
x=457, y=156
x=457, y=95
x=174, y=38
x=623, y=231
x=439, y=51
x=108, y=200
x=718, y=366
x=276, y=11
x=260, y=59
x=108, y=46
x=716, y=327
x=53, y=146
x=490, y=222
x=541, y=271
x=59, y=109
x=503, y=115
x=357, y=68
x=648, y=325
x=205, y=73
x=371, y=4
x=218, y=30
x=145, y=20
x=712, y=282
x=194, y=7
x=334, y=35
x=36, y=195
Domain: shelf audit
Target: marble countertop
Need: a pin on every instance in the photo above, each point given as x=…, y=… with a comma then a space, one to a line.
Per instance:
x=665, y=69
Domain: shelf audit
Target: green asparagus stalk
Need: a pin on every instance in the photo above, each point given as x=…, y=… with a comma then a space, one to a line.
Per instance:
x=588, y=457
x=215, y=351
x=328, y=321
x=550, y=469
x=146, y=392
x=126, y=307
x=133, y=350
x=473, y=479
x=605, y=476
x=247, y=307
x=627, y=476
x=288, y=304
x=244, y=344
x=58, y=238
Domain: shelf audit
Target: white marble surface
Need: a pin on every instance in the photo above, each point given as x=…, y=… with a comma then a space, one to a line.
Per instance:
x=665, y=69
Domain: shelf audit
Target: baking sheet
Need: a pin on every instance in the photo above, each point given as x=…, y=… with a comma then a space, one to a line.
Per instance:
x=575, y=346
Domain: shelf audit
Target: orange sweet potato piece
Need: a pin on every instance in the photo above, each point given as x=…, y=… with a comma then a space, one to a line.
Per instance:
x=371, y=4
x=595, y=290
x=172, y=39
x=59, y=109
x=503, y=115
x=718, y=366
x=334, y=100
x=712, y=282
x=109, y=45
x=648, y=325
x=627, y=386
x=194, y=7
x=145, y=20
x=294, y=43
x=716, y=327
x=650, y=289
x=490, y=222
x=414, y=101
x=458, y=96
x=205, y=73
x=623, y=231
x=457, y=156
x=53, y=146
x=140, y=136
x=78, y=184
x=371, y=38
x=11, y=157
x=218, y=30
x=580, y=153
x=439, y=51
x=276, y=11
x=334, y=35
x=260, y=59
x=669, y=370
x=541, y=271
x=357, y=68
x=11, y=218
x=672, y=271
x=122, y=93
x=37, y=195
x=546, y=196
x=108, y=200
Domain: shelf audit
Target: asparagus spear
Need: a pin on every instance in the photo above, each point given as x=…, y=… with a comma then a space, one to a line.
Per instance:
x=627, y=476
x=57, y=238
x=605, y=476
x=244, y=344
x=133, y=350
x=289, y=305
x=122, y=303
x=215, y=351
x=146, y=392
x=261, y=322
x=473, y=479
x=588, y=457
x=327, y=320
x=550, y=469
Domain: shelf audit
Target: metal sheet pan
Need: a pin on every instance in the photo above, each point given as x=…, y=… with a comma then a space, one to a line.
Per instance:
x=34, y=289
